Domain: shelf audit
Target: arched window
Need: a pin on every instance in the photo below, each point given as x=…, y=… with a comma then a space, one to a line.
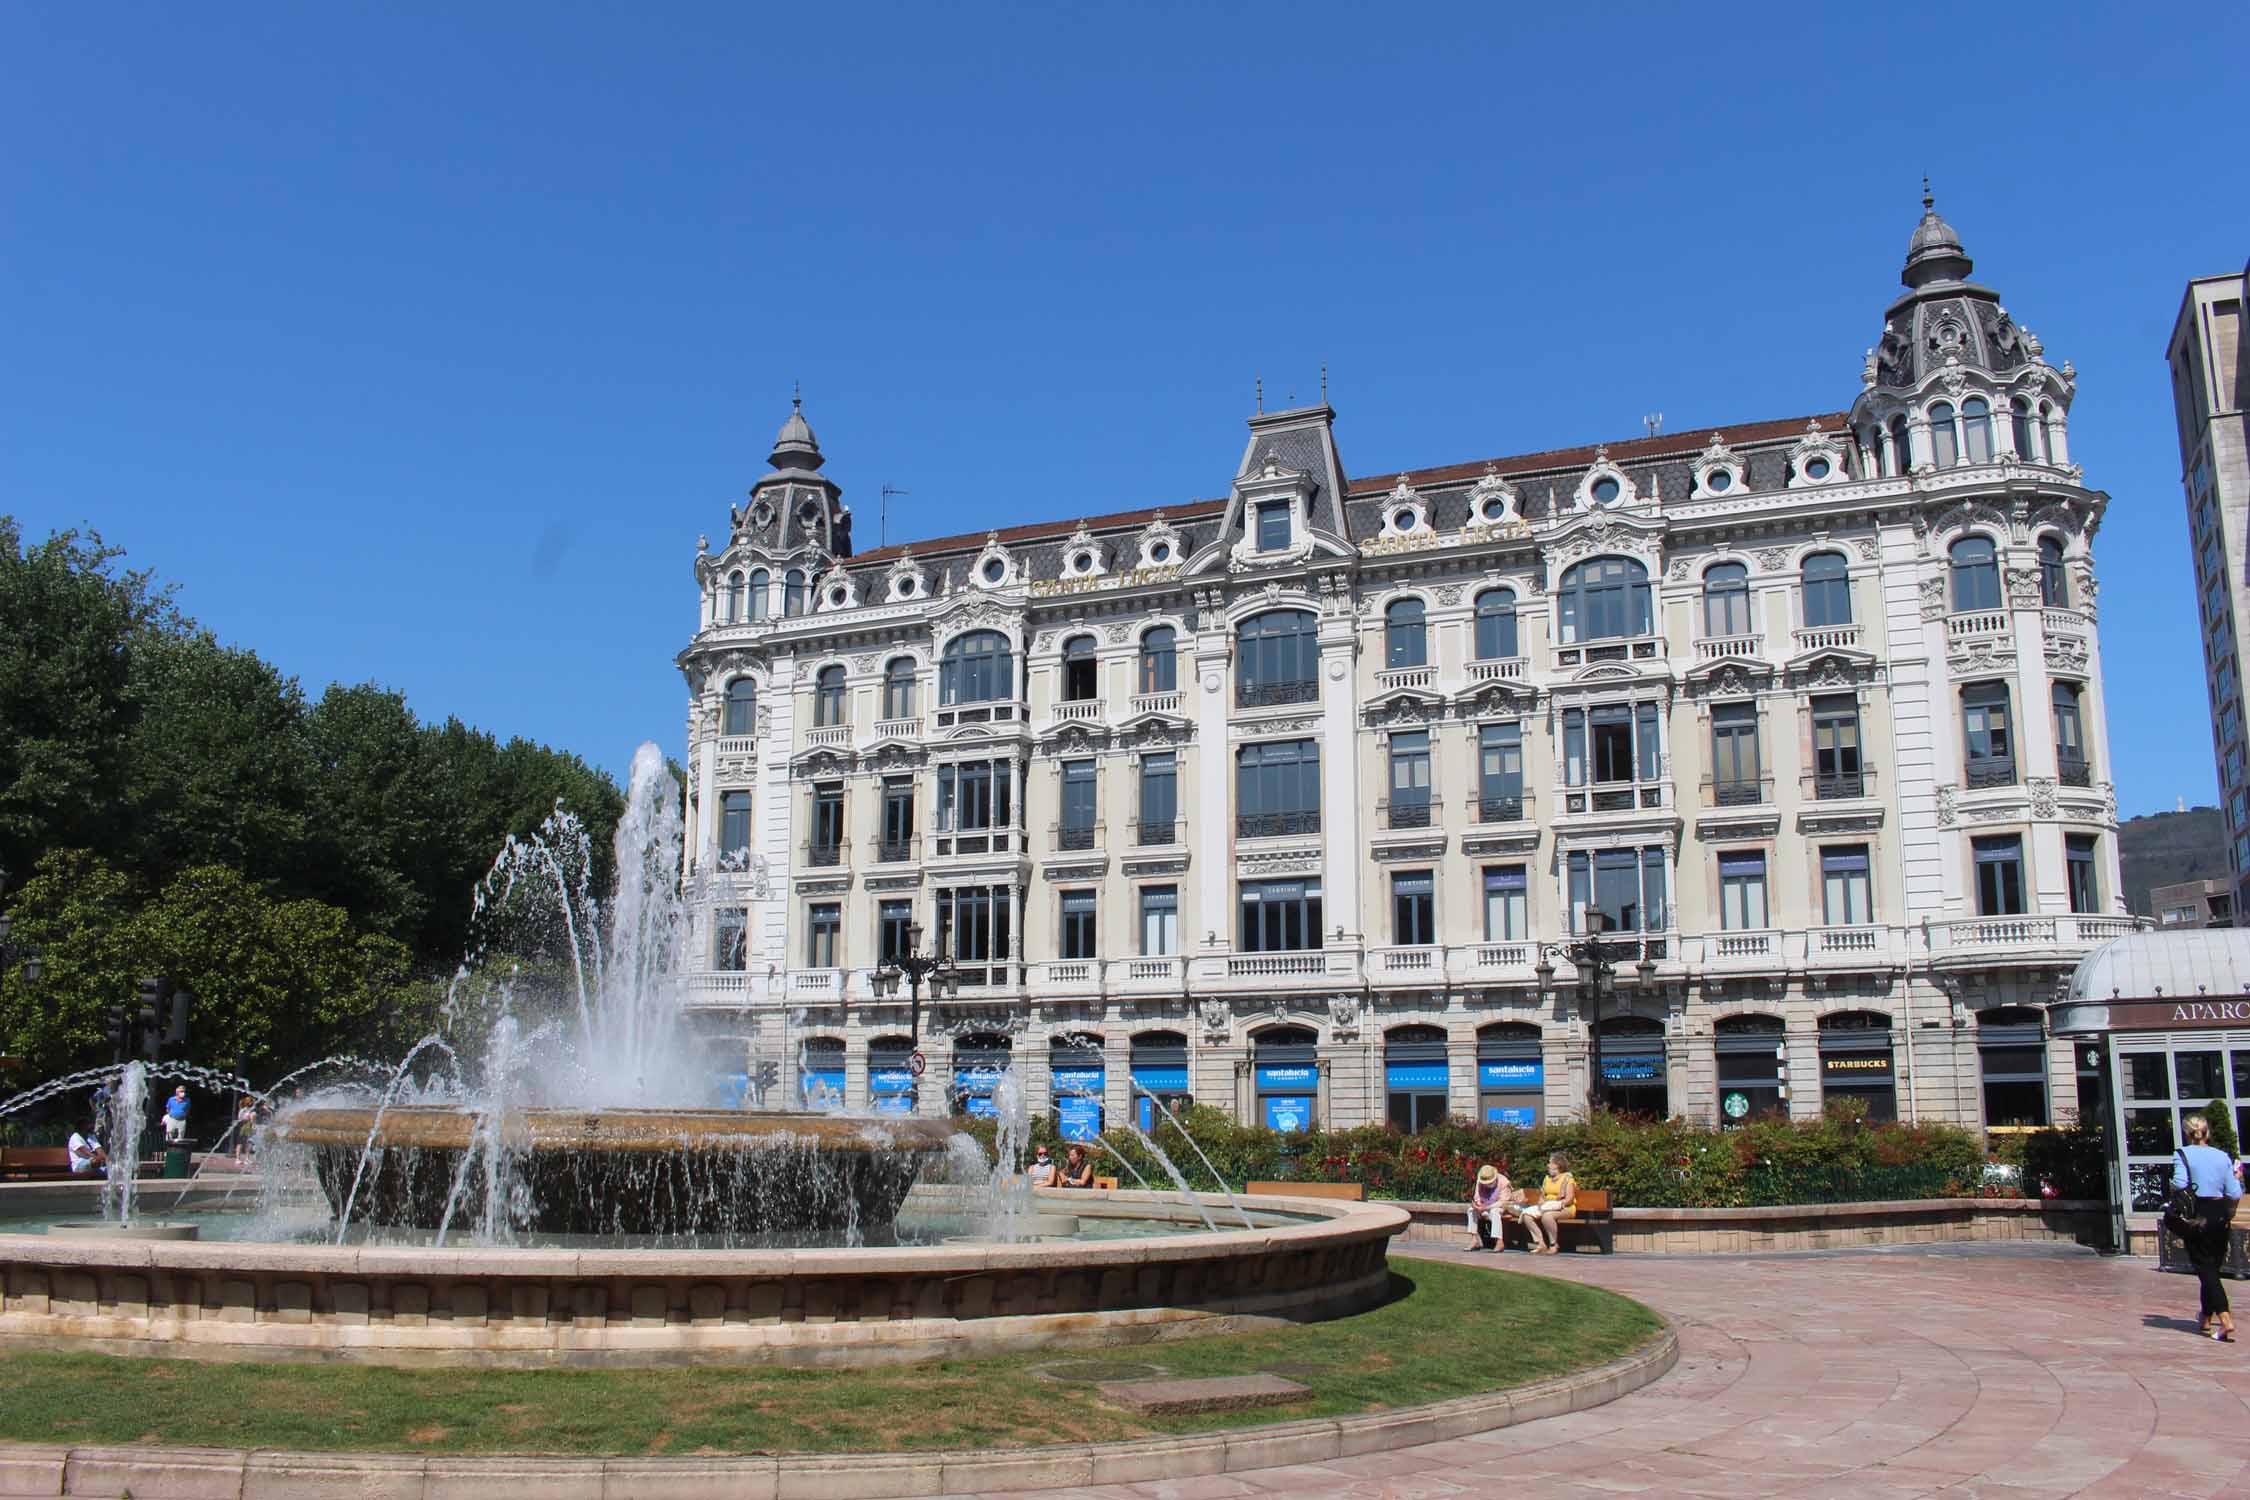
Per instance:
x=1945, y=441
x=828, y=697
x=1406, y=637
x=742, y=707
x=2026, y=435
x=761, y=583
x=1160, y=661
x=1079, y=675
x=793, y=593
x=1726, y=600
x=1828, y=589
x=1898, y=453
x=898, y=688
x=1976, y=574
x=1496, y=625
x=2054, y=584
x=1277, y=658
x=731, y=610
x=1602, y=597
x=1976, y=431
x=977, y=668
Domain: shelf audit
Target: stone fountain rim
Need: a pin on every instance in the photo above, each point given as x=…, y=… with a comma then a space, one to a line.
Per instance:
x=637, y=1128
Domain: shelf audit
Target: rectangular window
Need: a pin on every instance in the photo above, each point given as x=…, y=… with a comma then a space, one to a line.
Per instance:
x=1413, y=908
x=2070, y=736
x=1077, y=924
x=898, y=818
x=827, y=820
x=1837, y=770
x=898, y=694
x=1742, y=891
x=1845, y=900
x=1617, y=890
x=1160, y=797
x=2078, y=856
x=974, y=796
x=734, y=823
x=1410, y=779
x=1273, y=526
x=975, y=922
x=1999, y=862
x=1500, y=772
x=1991, y=744
x=1277, y=788
x=1160, y=920
x=894, y=938
x=823, y=923
x=1280, y=916
x=1506, y=889
x=1612, y=725
x=1612, y=742
x=730, y=934
x=1077, y=830
x=1734, y=754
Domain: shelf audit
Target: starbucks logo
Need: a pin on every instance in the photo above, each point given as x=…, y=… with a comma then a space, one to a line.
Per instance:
x=1736, y=1104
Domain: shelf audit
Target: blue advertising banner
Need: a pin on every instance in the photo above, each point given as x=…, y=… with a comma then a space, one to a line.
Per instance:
x=983, y=1081
x=1078, y=1119
x=1162, y=1080
x=1415, y=1075
x=1079, y=1080
x=734, y=1090
x=895, y=1104
x=981, y=1106
x=1638, y=1069
x=890, y=1081
x=822, y=1085
x=1290, y=1112
x=1512, y=1073
x=1521, y=1117
x=1288, y=1076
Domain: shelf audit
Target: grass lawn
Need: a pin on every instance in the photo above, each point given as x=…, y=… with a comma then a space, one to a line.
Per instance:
x=1449, y=1331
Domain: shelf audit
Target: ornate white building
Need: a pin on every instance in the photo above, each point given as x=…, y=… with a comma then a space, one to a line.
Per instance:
x=1292, y=801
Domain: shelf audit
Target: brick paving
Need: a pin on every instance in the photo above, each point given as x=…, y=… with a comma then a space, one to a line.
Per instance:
x=1975, y=1372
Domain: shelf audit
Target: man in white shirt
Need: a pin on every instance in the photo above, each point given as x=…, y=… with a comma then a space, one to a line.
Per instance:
x=87, y=1158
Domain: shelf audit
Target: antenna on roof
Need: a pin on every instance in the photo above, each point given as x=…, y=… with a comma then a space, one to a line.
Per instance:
x=1324, y=382
x=1261, y=393
x=1654, y=422
x=883, y=521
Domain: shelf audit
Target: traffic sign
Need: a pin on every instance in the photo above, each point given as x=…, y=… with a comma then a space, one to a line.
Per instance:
x=916, y=1064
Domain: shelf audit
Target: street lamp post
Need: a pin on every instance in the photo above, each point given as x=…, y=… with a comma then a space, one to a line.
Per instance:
x=913, y=967
x=1595, y=959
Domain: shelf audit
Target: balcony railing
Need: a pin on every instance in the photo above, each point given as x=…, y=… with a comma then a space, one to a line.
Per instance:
x=1078, y=711
x=822, y=856
x=2070, y=930
x=950, y=843
x=1276, y=965
x=1271, y=694
x=1393, y=678
x=965, y=714
x=1155, y=833
x=1505, y=669
x=2074, y=773
x=1503, y=807
x=898, y=729
x=1846, y=939
x=1160, y=972
x=1739, y=945
x=1421, y=963
x=1077, y=836
x=1737, y=791
x=1614, y=796
x=1991, y=771
x=1975, y=624
x=1717, y=647
x=828, y=736
x=1408, y=812
x=2059, y=621
x=1618, y=648
x=897, y=851
x=1826, y=637
x=1156, y=703
x=1838, y=786
x=738, y=744
x=1276, y=825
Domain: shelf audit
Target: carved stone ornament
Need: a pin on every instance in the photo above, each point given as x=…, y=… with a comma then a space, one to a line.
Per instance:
x=2023, y=587
x=1933, y=597
x=1945, y=812
x=1116, y=634
x=1449, y=594
x=1343, y=1017
x=2066, y=653
x=863, y=665
x=1979, y=656
x=1680, y=566
x=1217, y=1020
x=2042, y=796
x=1867, y=549
x=1774, y=559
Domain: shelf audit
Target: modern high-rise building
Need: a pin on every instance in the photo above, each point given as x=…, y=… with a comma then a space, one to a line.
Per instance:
x=2209, y=359
x=1302, y=802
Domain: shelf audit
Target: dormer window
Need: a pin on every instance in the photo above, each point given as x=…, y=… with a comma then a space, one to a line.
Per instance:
x=1606, y=491
x=1160, y=553
x=1719, y=483
x=1273, y=526
x=1817, y=468
x=995, y=571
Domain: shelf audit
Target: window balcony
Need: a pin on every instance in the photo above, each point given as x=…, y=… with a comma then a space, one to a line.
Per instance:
x=1412, y=967
x=738, y=744
x=828, y=737
x=1739, y=647
x=1156, y=703
x=1409, y=813
x=1837, y=786
x=1826, y=638
x=1977, y=940
x=1393, y=678
x=815, y=984
x=718, y=987
x=1866, y=946
x=1504, y=807
x=975, y=842
x=1275, y=694
x=1502, y=669
x=898, y=851
x=1494, y=962
x=966, y=715
x=1744, y=951
x=1149, y=834
x=1078, y=711
x=1612, y=648
x=1066, y=978
x=1616, y=796
x=1990, y=772
x=1150, y=974
x=1978, y=624
x=898, y=729
x=1282, y=825
x=1075, y=838
x=827, y=856
x=2061, y=621
x=2074, y=772
x=1737, y=791
x=1321, y=969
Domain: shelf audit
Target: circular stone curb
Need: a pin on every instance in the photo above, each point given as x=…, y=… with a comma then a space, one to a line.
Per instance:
x=162, y=1473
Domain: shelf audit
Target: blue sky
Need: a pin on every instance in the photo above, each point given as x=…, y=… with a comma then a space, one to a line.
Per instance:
x=418, y=343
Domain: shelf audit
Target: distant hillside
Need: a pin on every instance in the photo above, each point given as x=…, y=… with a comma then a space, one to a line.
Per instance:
x=2166, y=848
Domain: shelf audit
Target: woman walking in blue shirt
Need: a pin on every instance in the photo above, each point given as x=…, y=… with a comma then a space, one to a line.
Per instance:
x=2205, y=1169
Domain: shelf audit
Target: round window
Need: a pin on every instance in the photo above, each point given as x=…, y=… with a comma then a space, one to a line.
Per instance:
x=808, y=513
x=1161, y=552
x=995, y=570
x=1816, y=468
x=1606, y=490
x=906, y=588
x=1720, y=481
x=836, y=598
x=1402, y=520
x=1082, y=563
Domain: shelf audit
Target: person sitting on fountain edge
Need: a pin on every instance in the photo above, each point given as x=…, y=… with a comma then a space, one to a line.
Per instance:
x=87, y=1158
x=1077, y=1171
x=1042, y=1169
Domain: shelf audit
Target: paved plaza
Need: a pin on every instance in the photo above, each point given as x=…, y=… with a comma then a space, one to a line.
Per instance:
x=2003, y=1372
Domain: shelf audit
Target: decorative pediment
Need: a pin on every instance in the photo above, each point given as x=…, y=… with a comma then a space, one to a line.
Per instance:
x=996, y=567
x=1834, y=667
x=1493, y=501
x=1084, y=556
x=1160, y=544
x=1404, y=707
x=821, y=763
x=1405, y=513
x=1728, y=678
x=1074, y=739
x=1603, y=486
x=966, y=612
x=1600, y=532
x=836, y=590
x=1817, y=459
x=906, y=579
x=1719, y=471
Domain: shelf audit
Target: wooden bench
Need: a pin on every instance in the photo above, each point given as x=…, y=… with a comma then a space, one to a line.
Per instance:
x=1591, y=1221
x=1350, y=1192
x=35, y=1163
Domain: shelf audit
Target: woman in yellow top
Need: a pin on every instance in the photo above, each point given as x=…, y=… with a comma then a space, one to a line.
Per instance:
x=1558, y=1200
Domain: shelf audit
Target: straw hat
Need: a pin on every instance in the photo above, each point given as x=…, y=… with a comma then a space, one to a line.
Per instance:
x=1488, y=1174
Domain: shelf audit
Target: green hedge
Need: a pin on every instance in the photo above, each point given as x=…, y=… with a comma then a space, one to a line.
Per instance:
x=1670, y=1164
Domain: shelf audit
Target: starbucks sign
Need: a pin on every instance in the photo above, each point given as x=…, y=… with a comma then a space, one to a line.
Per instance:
x=1735, y=1103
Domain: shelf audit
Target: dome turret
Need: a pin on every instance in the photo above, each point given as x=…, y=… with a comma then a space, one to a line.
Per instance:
x=795, y=447
x=1935, y=253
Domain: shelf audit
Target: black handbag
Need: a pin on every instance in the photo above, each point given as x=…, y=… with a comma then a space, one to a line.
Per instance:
x=2181, y=1216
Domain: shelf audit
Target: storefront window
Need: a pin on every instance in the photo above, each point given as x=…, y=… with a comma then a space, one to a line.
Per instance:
x=1415, y=1077
x=890, y=1075
x=1633, y=1068
x=1511, y=1075
x=1160, y=1077
x=1856, y=1062
x=977, y=1065
x=1749, y=1052
x=1077, y=1078
x=1286, y=1075
x=2012, y=1055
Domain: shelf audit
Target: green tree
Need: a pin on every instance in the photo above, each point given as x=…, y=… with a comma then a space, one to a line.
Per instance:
x=379, y=815
x=2222, y=1127
x=78, y=912
x=69, y=618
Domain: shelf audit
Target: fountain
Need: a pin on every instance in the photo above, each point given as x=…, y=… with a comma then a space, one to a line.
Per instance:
x=549, y=1180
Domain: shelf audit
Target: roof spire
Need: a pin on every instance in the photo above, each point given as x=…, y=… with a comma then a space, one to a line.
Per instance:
x=797, y=387
x=1324, y=382
x=1928, y=203
x=1261, y=393
x=795, y=447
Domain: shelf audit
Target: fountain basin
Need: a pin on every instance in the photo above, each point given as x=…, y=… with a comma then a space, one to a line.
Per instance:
x=626, y=1172
x=139, y=1229
x=411, y=1306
